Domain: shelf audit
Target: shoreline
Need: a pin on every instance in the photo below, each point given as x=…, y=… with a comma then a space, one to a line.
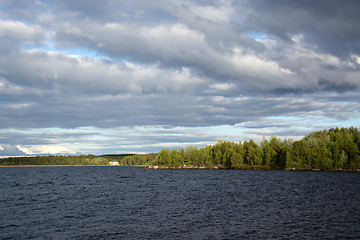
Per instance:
x=249, y=168
x=150, y=167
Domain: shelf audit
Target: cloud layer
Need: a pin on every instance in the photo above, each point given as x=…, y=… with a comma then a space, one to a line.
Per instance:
x=110, y=65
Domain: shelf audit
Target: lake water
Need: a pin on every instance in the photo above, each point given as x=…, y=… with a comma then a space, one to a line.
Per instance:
x=138, y=203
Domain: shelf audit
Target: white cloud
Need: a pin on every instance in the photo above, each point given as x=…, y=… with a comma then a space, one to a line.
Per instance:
x=19, y=31
x=222, y=86
x=26, y=150
x=51, y=149
x=218, y=14
x=357, y=58
x=67, y=73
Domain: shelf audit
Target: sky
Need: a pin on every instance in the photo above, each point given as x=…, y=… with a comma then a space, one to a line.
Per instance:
x=117, y=76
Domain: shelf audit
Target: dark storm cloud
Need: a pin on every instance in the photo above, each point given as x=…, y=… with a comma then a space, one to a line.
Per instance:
x=329, y=25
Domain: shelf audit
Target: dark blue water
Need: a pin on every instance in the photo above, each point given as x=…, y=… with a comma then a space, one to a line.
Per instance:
x=137, y=203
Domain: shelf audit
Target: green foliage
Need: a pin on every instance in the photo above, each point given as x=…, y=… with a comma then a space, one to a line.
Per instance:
x=325, y=150
x=237, y=158
x=82, y=160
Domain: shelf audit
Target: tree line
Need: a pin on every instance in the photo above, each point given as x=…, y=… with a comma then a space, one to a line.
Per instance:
x=82, y=160
x=333, y=149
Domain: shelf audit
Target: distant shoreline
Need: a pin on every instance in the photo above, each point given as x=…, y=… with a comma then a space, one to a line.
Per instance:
x=60, y=166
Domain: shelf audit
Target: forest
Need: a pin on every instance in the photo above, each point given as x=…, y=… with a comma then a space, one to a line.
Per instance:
x=333, y=149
